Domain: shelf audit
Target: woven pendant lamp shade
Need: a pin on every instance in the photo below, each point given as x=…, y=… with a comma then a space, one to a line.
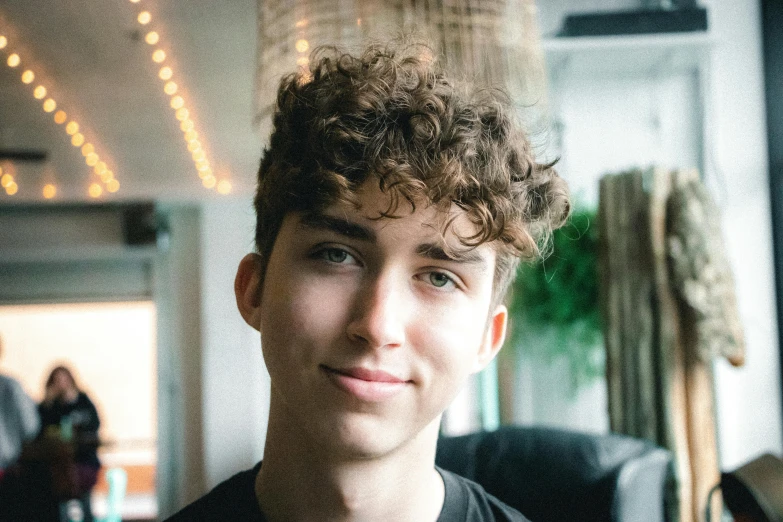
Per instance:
x=488, y=42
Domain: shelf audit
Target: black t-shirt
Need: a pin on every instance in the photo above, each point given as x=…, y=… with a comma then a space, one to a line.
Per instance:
x=235, y=499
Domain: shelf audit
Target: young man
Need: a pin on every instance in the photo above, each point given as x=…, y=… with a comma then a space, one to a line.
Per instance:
x=392, y=211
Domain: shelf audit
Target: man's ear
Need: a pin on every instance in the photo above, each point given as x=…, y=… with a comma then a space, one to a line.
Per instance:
x=247, y=288
x=493, y=338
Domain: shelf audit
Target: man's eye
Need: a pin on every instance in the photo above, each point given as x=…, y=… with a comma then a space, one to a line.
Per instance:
x=336, y=255
x=439, y=279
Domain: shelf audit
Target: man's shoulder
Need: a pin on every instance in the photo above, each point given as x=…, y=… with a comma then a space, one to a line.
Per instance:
x=467, y=501
x=232, y=499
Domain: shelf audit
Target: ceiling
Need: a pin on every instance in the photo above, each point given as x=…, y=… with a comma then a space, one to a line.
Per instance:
x=94, y=62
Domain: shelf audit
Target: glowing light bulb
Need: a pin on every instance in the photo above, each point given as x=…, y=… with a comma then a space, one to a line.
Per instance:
x=3, y=41
x=186, y=125
x=198, y=155
x=302, y=45
x=72, y=128
x=209, y=182
x=6, y=180
x=303, y=61
x=158, y=56
x=152, y=38
x=202, y=165
x=224, y=187
x=191, y=135
x=177, y=102
x=165, y=73
x=170, y=88
x=87, y=148
x=49, y=105
x=134, y=1
x=182, y=114
x=194, y=145
x=28, y=76
x=77, y=140
x=40, y=92
x=206, y=173
x=49, y=191
x=60, y=117
x=91, y=160
x=95, y=190
x=113, y=185
x=100, y=168
x=12, y=189
x=144, y=17
x=13, y=60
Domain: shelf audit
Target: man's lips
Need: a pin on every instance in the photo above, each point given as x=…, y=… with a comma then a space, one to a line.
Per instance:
x=365, y=374
x=365, y=384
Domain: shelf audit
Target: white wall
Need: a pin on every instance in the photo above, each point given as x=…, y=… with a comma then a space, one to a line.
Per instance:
x=611, y=123
x=235, y=385
x=749, y=409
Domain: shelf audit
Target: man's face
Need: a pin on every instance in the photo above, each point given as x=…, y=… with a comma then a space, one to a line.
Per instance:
x=368, y=327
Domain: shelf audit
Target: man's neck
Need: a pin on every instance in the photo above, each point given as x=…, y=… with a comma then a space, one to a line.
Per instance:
x=297, y=482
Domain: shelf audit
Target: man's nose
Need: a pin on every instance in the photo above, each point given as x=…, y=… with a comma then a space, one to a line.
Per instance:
x=379, y=313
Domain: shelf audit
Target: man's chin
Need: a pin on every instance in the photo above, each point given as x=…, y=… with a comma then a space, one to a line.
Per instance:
x=364, y=441
x=375, y=440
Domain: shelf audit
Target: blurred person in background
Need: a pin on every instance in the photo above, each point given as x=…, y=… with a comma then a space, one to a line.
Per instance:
x=18, y=420
x=68, y=414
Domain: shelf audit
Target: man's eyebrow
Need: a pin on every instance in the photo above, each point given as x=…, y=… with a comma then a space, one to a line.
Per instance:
x=341, y=226
x=436, y=251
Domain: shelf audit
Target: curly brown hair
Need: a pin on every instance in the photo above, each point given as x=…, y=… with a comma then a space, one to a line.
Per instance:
x=392, y=115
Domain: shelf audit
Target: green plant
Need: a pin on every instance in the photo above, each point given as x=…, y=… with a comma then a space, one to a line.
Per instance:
x=554, y=307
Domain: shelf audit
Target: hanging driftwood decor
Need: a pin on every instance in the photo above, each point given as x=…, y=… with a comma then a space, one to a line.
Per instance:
x=669, y=307
x=700, y=272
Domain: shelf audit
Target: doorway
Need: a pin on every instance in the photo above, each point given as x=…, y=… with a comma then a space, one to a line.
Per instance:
x=111, y=347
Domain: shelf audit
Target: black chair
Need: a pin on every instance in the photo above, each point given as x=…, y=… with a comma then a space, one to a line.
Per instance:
x=552, y=475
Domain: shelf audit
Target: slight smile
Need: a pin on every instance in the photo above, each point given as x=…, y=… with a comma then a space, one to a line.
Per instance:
x=364, y=384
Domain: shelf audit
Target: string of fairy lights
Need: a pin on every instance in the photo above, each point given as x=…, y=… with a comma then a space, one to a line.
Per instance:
x=177, y=102
x=73, y=131
x=106, y=180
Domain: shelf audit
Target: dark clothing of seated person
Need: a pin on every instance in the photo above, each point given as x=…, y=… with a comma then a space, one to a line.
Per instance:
x=393, y=207
x=74, y=421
